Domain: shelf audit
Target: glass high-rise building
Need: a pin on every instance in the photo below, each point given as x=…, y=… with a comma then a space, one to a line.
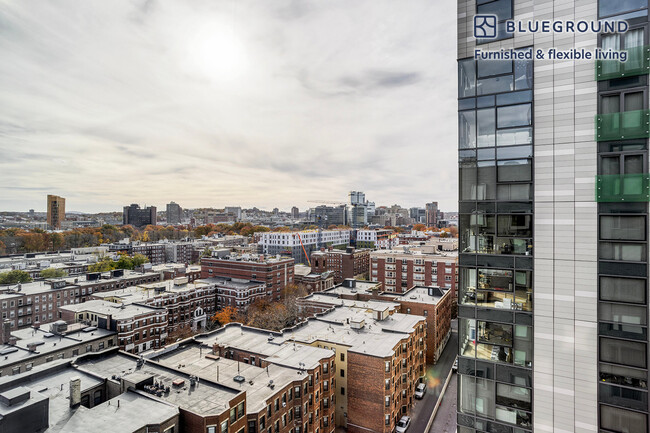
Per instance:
x=553, y=201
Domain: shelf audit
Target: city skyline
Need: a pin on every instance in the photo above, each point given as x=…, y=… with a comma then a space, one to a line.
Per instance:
x=138, y=104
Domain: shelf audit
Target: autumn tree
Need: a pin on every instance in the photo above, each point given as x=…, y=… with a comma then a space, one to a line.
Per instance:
x=419, y=227
x=105, y=264
x=225, y=315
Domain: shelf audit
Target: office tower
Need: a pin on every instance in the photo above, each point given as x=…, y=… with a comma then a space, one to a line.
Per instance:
x=55, y=211
x=139, y=217
x=553, y=225
x=431, y=214
x=295, y=213
x=358, y=210
x=174, y=213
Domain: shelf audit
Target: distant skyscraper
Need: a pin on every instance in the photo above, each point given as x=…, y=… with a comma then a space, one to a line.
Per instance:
x=358, y=210
x=55, y=211
x=295, y=213
x=174, y=213
x=234, y=211
x=135, y=216
x=432, y=214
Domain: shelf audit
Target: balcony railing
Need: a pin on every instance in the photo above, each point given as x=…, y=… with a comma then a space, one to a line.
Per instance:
x=638, y=63
x=623, y=188
x=623, y=126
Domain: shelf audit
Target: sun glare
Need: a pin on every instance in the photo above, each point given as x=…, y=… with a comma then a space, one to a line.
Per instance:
x=217, y=54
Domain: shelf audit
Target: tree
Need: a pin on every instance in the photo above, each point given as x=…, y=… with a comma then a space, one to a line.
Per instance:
x=124, y=262
x=139, y=260
x=226, y=315
x=105, y=264
x=53, y=273
x=419, y=227
x=15, y=277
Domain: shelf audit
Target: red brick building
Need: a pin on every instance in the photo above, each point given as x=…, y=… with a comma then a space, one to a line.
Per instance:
x=401, y=271
x=276, y=273
x=312, y=281
x=351, y=263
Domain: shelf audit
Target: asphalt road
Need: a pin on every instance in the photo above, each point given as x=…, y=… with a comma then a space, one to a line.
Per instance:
x=435, y=379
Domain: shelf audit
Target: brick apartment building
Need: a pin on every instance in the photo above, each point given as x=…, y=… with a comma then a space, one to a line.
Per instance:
x=236, y=293
x=400, y=271
x=188, y=304
x=154, y=251
x=139, y=327
x=276, y=273
x=351, y=263
x=27, y=348
x=433, y=303
x=305, y=277
x=39, y=302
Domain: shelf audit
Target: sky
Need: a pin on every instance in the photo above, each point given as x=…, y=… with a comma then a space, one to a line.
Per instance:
x=213, y=103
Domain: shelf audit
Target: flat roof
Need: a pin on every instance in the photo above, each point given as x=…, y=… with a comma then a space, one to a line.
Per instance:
x=277, y=350
x=134, y=412
x=419, y=294
x=375, y=338
x=256, y=379
x=117, y=311
x=205, y=398
x=143, y=292
x=232, y=283
x=38, y=287
x=375, y=305
x=360, y=286
x=46, y=342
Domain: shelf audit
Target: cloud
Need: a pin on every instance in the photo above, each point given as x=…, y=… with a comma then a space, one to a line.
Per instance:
x=225, y=103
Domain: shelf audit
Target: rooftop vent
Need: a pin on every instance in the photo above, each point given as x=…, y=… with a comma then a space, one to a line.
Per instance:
x=239, y=379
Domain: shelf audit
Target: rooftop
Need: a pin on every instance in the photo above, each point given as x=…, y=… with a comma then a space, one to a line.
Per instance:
x=47, y=342
x=128, y=412
x=204, y=398
x=143, y=292
x=360, y=286
x=420, y=294
x=117, y=311
x=232, y=283
x=256, y=379
x=354, y=304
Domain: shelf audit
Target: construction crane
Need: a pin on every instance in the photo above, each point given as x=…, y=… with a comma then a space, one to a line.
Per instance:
x=326, y=202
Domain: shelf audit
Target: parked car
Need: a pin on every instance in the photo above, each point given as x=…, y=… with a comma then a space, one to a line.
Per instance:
x=403, y=423
x=454, y=367
x=420, y=390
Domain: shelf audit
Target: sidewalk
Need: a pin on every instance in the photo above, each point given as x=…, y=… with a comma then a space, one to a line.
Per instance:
x=445, y=421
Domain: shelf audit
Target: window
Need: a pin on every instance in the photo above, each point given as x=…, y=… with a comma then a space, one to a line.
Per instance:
x=342, y=391
x=224, y=427
x=623, y=352
x=617, y=419
x=615, y=7
x=342, y=356
x=630, y=290
x=502, y=9
x=211, y=429
x=614, y=227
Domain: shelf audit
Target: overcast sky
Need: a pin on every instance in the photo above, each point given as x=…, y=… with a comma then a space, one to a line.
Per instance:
x=227, y=102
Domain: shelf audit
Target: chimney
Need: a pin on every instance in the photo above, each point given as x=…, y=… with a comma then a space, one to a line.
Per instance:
x=75, y=391
x=12, y=341
x=5, y=336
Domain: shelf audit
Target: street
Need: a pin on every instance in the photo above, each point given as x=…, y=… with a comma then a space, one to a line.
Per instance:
x=435, y=378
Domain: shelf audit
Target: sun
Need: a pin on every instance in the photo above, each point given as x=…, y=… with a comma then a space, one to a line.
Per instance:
x=217, y=54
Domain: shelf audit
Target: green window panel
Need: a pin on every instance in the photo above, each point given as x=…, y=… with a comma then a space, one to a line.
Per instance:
x=638, y=63
x=623, y=188
x=622, y=126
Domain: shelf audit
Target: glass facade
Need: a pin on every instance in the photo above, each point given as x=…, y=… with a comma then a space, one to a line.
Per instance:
x=495, y=121
x=622, y=193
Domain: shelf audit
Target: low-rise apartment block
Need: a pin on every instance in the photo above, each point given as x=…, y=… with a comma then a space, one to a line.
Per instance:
x=139, y=327
x=24, y=349
x=236, y=293
x=39, y=301
x=299, y=245
x=188, y=304
x=276, y=273
x=305, y=277
x=383, y=239
x=399, y=271
x=348, y=263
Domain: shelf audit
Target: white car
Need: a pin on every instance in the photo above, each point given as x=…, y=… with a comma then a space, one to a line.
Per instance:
x=420, y=390
x=454, y=367
x=403, y=424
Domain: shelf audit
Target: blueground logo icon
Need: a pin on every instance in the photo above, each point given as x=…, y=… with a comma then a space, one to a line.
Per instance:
x=485, y=26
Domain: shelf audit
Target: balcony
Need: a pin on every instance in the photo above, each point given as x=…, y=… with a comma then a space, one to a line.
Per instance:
x=623, y=126
x=638, y=63
x=617, y=188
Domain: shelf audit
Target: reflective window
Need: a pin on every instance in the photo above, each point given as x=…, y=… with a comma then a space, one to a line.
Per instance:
x=514, y=192
x=514, y=171
x=615, y=7
x=614, y=227
x=508, y=137
x=626, y=376
x=500, y=8
x=515, y=97
x=617, y=419
x=486, y=127
x=467, y=129
x=630, y=353
x=627, y=252
x=630, y=290
x=515, y=115
x=487, y=86
x=488, y=68
x=466, y=78
x=514, y=396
